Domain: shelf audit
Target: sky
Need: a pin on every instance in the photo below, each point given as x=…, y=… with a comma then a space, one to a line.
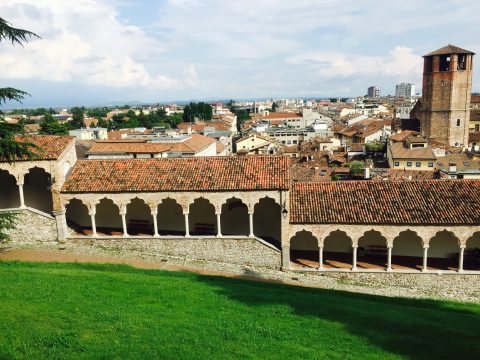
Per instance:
x=94, y=52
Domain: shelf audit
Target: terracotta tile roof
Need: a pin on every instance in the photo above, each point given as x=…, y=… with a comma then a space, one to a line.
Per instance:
x=401, y=136
x=194, y=144
x=449, y=49
x=429, y=202
x=281, y=115
x=474, y=115
x=400, y=151
x=179, y=174
x=473, y=137
x=475, y=99
x=52, y=146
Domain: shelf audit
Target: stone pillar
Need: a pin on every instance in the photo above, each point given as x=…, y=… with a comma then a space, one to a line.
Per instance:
x=92, y=212
x=20, y=192
x=155, y=224
x=250, y=221
x=425, y=259
x=389, y=258
x=460, y=258
x=285, y=257
x=187, y=226
x=354, y=264
x=123, y=213
x=61, y=225
x=219, y=227
x=320, y=257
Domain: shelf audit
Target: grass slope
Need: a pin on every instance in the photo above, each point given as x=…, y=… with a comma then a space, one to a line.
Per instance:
x=110, y=311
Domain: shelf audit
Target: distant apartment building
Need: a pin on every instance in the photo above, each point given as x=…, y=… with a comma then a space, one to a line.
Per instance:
x=405, y=90
x=89, y=134
x=373, y=92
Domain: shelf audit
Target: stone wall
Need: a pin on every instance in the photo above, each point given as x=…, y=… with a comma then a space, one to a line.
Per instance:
x=239, y=251
x=33, y=227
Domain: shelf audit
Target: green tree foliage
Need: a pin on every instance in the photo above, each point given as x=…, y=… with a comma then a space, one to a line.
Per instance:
x=375, y=147
x=98, y=112
x=274, y=107
x=78, y=114
x=103, y=123
x=201, y=110
x=50, y=126
x=11, y=150
x=356, y=168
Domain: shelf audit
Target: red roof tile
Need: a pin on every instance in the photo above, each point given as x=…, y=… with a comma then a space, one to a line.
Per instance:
x=51, y=146
x=428, y=202
x=179, y=174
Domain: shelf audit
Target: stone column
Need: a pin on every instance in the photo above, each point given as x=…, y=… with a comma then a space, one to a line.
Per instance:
x=92, y=213
x=285, y=257
x=61, y=225
x=389, y=258
x=155, y=224
x=354, y=265
x=219, y=227
x=250, y=221
x=187, y=226
x=460, y=258
x=425, y=258
x=20, y=193
x=123, y=213
x=320, y=257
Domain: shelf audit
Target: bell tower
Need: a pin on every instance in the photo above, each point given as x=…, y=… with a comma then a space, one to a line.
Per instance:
x=445, y=105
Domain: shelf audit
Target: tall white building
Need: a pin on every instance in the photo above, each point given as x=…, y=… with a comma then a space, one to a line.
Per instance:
x=373, y=92
x=405, y=90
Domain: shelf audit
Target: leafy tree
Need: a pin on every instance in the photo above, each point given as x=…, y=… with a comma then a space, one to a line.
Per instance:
x=375, y=147
x=103, y=123
x=274, y=107
x=50, y=126
x=356, y=168
x=199, y=110
x=77, y=118
x=11, y=150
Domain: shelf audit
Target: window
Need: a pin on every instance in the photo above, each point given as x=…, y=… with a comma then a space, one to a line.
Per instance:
x=462, y=62
x=409, y=164
x=458, y=122
x=397, y=163
x=477, y=127
x=418, y=164
x=430, y=164
x=445, y=63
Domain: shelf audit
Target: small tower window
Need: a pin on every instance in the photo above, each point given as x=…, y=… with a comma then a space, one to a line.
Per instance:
x=462, y=62
x=445, y=63
x=458, y=122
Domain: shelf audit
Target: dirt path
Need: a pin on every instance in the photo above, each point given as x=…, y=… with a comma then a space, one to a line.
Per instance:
x=64, y=257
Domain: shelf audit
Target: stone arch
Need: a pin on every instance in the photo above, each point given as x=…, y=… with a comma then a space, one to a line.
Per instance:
x=267, y=221
x=78, y=219
x=407, y=251
x=472, y=253
x=304, y=249
x=202, y=218
x=234, y=218
x=170, y=218
x=372, y=250
x=139, y=218
x=107, y=218
x=443, y=251
x=37, y=190
x=337, y=250
x=9, y=194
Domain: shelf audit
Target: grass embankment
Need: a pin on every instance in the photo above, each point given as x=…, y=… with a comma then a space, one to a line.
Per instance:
x=112, y=311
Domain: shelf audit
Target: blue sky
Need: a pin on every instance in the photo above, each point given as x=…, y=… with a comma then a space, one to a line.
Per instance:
x=102, y=51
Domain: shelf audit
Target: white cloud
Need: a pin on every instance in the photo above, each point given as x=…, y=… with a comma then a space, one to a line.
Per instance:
x=82, y=43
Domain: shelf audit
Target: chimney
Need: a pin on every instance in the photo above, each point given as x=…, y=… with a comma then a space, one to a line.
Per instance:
x=367, y=172
x=452, y=167
x=189, y=129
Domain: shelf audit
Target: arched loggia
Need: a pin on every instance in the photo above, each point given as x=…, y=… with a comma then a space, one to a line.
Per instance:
x=170, y=218
x=337, y=251
x=304, y=250
x=78, y=219
x=107, y=218
x=267, y=221
x=202, y=218
x=234, y=218
x=9, y=194
x=139, y=218
x=37, y=190
x=372, y=251
x=407, y=251
x=443, y=251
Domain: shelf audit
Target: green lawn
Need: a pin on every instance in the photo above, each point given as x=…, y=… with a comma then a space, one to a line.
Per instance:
x=112, y=311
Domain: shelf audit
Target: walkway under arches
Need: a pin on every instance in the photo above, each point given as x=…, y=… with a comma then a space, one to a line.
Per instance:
x=267, y=221
x=108, y=219
x=472, y=253
x=337, y=251
x=202, y=218
x=304, y=250
x=170, y=218
x=407, y=251
x=372, y=251
x=443, y=252
x=139, y=218
x=78, y=219
x=234, y=218
x=37, y=190
x=9, y=194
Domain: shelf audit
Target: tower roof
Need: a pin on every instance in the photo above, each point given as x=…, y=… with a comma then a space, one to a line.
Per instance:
x=449, y=49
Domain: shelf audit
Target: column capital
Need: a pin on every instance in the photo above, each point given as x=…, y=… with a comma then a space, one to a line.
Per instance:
x=92, y=211
x=58, y=212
